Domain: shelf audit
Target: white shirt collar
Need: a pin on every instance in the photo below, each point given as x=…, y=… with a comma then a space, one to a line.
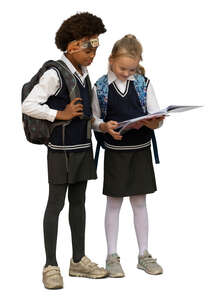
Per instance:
x=73, y=69
x=112, y=77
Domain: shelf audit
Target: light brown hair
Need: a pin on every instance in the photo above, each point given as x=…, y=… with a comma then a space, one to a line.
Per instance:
x=131, y=47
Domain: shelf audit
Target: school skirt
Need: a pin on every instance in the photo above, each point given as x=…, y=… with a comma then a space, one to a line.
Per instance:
x=128, y=173
x=70, y=167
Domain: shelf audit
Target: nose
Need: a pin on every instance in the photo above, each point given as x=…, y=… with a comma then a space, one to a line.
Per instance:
x=93, y=53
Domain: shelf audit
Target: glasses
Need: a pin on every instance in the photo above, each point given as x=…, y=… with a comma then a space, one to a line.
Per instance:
x=92, y=43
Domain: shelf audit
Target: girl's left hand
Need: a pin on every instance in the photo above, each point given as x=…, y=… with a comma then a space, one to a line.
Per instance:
x=152, y=123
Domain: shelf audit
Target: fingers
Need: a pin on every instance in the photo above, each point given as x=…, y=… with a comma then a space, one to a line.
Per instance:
x=75, y=100
x=160, y=118
x=78, y=114
x=116, y=135
x=146, y=122
x=76, y=107
x=112, y=124
x=152, y=123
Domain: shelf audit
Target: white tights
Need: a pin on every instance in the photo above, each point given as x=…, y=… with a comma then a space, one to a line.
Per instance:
x=140, y=215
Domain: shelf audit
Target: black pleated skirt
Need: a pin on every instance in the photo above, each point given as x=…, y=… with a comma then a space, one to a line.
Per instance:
x=70, y=167
x=128, y=173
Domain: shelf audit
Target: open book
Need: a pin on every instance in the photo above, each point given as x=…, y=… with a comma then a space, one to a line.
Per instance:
x=130, y=124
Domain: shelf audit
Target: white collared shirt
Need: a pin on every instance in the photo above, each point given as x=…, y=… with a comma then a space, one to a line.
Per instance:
x=152, y=104
x=119, y=83
x=49, y=84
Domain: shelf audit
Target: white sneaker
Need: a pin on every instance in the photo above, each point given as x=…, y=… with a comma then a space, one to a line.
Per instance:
x=149, y=264
x=113, y=266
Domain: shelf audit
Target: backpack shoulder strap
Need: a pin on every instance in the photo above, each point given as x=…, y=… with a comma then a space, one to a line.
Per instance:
x=68, y=77
x=65, y=72
x=102, y=89
x=141, y=84
x=102, y=96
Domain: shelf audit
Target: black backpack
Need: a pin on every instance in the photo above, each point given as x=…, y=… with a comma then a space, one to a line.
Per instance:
x=38, y=131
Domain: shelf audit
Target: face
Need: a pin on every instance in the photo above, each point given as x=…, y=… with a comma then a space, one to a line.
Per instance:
x=123, y=66
x=79, y=56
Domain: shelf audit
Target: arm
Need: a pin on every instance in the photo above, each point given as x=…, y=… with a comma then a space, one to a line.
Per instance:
x=96, y=111
x=98, y=123
x=34, y=104
x=152, y=106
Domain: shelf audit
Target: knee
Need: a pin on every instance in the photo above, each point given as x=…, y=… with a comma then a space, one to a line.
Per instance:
x=114, y=203
x=55, y=205
x=138, y=202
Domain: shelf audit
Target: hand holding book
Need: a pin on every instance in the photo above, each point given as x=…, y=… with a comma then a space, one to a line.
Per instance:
x=152, y=123
x=110, y=127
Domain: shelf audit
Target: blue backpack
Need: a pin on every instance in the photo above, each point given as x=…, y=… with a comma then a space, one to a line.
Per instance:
x=102, y=88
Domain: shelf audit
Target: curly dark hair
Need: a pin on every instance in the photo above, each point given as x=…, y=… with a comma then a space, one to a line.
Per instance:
x=77, y=27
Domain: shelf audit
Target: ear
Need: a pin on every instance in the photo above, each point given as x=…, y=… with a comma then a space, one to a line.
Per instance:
x=111, y=60
x=73, y=47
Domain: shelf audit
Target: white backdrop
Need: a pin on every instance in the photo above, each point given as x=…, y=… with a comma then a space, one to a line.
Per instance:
x=180, y=40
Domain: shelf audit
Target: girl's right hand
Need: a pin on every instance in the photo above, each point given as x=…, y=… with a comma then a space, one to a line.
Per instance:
x=109, y=127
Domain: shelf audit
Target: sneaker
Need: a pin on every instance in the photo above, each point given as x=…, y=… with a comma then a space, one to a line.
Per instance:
x=86, y=268
x=52, y=278
x=113, y=266
x=149, y=264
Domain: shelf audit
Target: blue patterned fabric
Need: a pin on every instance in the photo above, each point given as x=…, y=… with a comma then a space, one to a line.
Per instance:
x=141, y=84
x=102, y=94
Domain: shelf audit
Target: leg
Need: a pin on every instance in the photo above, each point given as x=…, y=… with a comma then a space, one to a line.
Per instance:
x=50, y=223
x=77, y=216
x=113, y=265
x=145, y=261
x=112, y=222
x=80, y=265
x=140, y=214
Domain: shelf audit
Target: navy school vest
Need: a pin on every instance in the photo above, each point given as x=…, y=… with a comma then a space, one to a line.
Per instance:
x=72, y=137
x=121, y=107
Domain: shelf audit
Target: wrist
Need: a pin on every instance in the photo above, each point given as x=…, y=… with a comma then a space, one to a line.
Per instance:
x=59, y=115
x=102, y=127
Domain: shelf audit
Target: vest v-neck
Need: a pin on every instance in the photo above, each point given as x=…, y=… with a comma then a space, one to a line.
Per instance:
x=126, y=89
x=79, y=79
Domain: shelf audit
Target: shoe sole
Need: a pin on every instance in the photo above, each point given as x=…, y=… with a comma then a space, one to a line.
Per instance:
x=141, y=268
x=54, y=288
x=76, y=274
x=116, y=275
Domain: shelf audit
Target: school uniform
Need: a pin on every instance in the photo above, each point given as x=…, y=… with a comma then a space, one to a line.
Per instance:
x=128, y=168
x=70, y=154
